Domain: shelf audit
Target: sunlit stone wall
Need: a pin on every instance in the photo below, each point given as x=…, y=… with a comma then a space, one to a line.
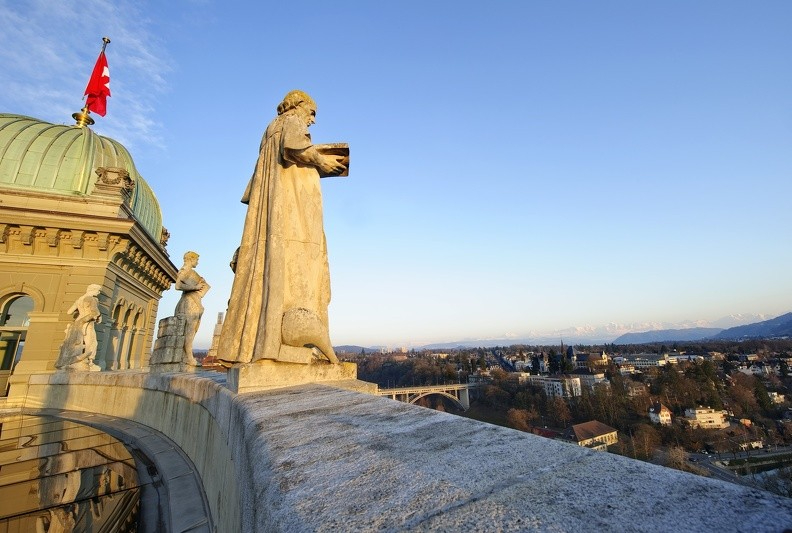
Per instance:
x=316, y=458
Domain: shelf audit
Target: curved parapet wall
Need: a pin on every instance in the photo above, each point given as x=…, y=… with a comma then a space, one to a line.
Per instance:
x=317, y=458
x=193, y=412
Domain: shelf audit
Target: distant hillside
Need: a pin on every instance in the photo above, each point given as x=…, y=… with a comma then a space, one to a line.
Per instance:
x=777, y=327
x=667, y=335
x=347, y=348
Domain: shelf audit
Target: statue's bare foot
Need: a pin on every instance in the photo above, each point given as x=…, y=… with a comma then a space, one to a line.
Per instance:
x=302, y=327
x=330, y=357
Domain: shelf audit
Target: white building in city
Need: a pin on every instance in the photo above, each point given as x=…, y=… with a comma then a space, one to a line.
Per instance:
x=561, y=386
x=706, y=417
x=660, y=414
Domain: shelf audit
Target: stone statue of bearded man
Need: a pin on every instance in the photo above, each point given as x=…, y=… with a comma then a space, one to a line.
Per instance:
x=281, y=290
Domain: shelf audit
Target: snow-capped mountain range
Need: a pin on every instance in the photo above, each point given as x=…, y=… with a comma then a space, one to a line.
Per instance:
x=607, y=333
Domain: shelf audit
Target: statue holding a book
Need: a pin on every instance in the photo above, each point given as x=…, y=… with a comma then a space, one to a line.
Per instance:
x=281, y=290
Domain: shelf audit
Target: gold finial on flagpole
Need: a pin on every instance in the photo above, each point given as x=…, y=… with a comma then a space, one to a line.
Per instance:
x=83, y=118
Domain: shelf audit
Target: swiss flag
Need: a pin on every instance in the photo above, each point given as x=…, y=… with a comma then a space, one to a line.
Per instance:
x=98, y=87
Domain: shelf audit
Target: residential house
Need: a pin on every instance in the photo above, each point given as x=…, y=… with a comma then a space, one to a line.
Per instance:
x=776, y=397
x=636, y=388
x=557, y=386
x=593, y=434
x=706, y=417
x=660, y=414
x=591, y=379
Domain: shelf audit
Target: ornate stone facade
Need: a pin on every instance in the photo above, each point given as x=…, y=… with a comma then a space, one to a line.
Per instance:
x=54, y=243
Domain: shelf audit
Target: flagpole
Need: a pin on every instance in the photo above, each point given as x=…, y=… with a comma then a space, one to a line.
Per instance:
x=83, y=118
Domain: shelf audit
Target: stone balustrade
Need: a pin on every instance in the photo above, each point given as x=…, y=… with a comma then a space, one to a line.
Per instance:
x=318, y=458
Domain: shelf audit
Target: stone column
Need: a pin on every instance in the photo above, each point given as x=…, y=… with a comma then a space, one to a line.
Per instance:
x=111, y=354
x=123, y=349
x=464, y=398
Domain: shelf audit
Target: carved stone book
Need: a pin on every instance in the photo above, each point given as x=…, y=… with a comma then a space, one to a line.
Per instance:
x=340, y=149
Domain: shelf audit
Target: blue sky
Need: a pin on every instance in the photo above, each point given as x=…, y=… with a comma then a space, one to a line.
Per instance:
x=516, y=167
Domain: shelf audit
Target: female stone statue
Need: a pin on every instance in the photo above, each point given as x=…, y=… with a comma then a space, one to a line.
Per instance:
x=79, y=348
x=282, y=283
x=189, y=307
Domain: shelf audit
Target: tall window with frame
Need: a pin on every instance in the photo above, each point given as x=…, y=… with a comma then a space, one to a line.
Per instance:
x=14, y=321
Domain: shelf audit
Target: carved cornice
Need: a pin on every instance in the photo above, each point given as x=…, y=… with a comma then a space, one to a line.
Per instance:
x=77, y=237
x=53, y=235
x=135, y=262
x=26, y=234
x=151, y=270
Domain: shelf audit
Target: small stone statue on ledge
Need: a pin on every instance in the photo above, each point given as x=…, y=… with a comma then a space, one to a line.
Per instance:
x=193, y=288
x=173, y=349
x=79, y=348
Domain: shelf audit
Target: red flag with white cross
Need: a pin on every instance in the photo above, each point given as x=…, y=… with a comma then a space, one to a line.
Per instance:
x=98, y=88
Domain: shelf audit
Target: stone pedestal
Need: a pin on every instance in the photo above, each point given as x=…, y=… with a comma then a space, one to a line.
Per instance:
x=168, y=354
x=266, y=374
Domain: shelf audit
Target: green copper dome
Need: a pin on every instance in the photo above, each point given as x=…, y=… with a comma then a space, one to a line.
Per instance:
x=60, y=159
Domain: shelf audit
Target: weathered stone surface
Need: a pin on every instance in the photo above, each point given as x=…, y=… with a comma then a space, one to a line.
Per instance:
x=293, y=354
x=317, y=458
x=170, y=326
x=331, y=460
x=174, y=342
x=169, y=346
x=263, y=375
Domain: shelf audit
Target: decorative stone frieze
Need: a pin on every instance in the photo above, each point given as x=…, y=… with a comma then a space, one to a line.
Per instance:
x=53, y=235
x=137, y=263
x=114, y=181
x=120, y=250
x=164, y=236
x=102, y=240
x=26, y=235
x=114, y=176
x=77, y=237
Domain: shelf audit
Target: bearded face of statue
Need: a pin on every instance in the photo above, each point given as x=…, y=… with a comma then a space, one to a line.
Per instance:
x=307, y=112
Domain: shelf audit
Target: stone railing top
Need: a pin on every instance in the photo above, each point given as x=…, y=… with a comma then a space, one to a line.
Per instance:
x=317, y=458
x=331, y=460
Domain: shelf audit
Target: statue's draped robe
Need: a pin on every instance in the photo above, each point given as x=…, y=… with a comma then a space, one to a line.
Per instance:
x=189, y=307
x=282, y=262
x=80, y=342
x=189, y=282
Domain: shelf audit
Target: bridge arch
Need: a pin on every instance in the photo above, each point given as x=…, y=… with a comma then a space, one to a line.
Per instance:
x=412, y=399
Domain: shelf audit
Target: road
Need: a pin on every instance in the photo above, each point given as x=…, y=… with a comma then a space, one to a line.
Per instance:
x=712, y=464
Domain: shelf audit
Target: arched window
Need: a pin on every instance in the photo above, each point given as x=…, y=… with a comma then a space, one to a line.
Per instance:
x=15, y=312
x=14, y=321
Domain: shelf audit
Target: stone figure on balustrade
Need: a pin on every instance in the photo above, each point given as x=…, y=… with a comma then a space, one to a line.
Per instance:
x=189, y=307
x=78, y=350
x=281, y=290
